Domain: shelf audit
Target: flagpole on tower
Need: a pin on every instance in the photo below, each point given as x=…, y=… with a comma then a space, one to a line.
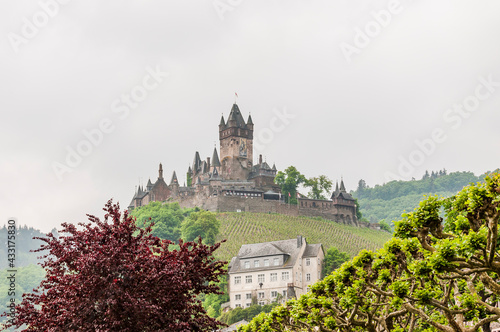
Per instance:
x=236, y=97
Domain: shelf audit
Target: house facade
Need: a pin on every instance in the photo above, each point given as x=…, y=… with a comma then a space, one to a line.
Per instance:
x=262, y=273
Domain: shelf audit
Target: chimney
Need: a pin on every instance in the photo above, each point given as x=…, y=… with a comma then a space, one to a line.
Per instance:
x=260, y=159
x=208, y=163
x=299, y=241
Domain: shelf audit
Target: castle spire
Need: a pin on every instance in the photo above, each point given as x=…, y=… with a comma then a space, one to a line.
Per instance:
x=160, y=172
x=342, y=187
x=215, y=158
x=174, y=180
x=222, y=122
x=249, y=121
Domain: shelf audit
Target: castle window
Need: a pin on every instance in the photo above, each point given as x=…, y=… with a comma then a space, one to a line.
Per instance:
x=274, y=293
x=308, y=277
x=276, y=261
x=261, y=278
x=248, y=279
x=285, y=275
x=266, y=262
x=237, y=297
x=247, y=264
x=274, y=276
x=256, y=263
x=308, y=261
x=237, y=280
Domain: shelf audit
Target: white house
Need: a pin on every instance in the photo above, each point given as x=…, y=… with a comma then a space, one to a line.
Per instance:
x=266, y=271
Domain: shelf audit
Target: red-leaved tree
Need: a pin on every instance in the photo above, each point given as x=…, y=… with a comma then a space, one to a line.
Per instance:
x=113, y=276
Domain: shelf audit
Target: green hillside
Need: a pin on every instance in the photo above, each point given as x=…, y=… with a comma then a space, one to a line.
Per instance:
x=243, y=228
x=388, y=201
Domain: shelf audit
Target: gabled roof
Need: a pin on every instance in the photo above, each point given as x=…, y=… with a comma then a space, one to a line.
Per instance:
x=312, y=250
x=261, y=249
x=257, y=250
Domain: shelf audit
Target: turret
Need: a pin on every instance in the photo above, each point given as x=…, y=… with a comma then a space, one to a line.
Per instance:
x=160, y=172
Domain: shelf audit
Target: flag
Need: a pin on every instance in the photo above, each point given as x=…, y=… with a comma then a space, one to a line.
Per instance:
x=236, y=95
x=289, y=195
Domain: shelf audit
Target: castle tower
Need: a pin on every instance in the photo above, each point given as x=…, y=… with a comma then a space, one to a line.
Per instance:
x=236, y=145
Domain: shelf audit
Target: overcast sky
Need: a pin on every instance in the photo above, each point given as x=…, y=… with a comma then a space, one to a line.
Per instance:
x=95, y=94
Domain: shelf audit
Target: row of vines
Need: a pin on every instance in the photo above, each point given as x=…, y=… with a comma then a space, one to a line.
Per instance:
x=244, y=228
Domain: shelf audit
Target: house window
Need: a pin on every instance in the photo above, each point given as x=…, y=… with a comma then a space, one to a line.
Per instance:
x=308, y=277
x=247, y=264
x=276, y=261
x=237, y=280
x=256, y=263
x=274, y=276
x=237, y=297
x=248, y=304
x=274, y=293
x=261, y=303
x=261, y=295
x=249, y=296
x=266, y=262
x=248, y=279
x=261, y=278
x=284, y=293
x=238, y=305
x=308, y=261
x=285, y=275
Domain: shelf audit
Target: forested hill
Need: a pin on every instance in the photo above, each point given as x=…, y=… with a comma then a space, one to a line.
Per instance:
x=387, y=202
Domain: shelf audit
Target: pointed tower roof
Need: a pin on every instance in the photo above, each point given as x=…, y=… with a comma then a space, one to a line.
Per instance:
x=342, y=187
x=336, y=192
x=196, y=162
x=149, y=185
x=249, y=121
x=174, y=179
x=190, y=170
x=236, y=116
x=215, y=159
x=274, y=167
x=222, y=122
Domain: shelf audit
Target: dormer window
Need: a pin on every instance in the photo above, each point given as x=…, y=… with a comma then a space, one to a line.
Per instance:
x=247, y=264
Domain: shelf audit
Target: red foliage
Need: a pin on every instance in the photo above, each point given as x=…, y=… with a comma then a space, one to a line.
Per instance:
x=113, y=276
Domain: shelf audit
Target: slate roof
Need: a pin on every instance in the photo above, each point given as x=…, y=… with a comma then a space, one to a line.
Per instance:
x=312, y=250
x=236, y=116
x=215, y=159
x=275, y=248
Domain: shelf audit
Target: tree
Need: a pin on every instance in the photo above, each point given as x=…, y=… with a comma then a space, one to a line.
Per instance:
x=166, y=219
x=113, y=276
x=333, y=260
x=319, y=186
x=202, y=224
x=384, y=225
x=432, y=276
x=288, y=182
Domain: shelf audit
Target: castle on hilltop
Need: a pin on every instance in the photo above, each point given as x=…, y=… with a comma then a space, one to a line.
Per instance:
x=234, y=183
